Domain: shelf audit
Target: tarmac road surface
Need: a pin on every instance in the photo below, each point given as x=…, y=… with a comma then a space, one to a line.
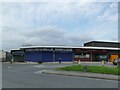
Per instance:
x=30, y=76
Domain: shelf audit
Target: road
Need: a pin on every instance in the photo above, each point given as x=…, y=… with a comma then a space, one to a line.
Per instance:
x=30, y=76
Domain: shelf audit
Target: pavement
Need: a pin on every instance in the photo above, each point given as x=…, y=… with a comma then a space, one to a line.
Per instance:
x=109, y=64
x=82, y=74
x=85, y=74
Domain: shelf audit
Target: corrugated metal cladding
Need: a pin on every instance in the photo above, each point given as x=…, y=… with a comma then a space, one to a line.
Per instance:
x=33, y=56
x=48, y=56
x=63, y=56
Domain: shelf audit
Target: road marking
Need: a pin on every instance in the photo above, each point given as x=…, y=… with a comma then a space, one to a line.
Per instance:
x=39, y=66
x=9, y=67
x=40, y=72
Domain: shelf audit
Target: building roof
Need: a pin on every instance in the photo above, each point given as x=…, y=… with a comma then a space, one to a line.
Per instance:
x=70, y=47
x=102, y=44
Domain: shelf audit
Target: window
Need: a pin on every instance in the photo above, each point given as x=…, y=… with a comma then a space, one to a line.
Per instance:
x=82, y=56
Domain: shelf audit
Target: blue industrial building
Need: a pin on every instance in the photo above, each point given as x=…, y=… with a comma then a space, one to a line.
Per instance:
x=90, y=52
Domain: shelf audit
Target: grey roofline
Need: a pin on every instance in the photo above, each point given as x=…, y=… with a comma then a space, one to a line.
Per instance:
x=107, y=48
x=115, y=42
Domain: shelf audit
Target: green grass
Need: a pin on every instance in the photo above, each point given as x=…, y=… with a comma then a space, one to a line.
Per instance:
x=92, y=69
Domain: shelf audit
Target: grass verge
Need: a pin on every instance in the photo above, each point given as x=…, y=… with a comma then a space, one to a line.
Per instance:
x=92, y=69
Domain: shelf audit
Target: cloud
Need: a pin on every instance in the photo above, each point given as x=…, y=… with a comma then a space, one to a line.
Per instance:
x=59, y=0
x=1, y=15
x=54, y=23
x=35, y=14
x=110, y=14
x=43, y=36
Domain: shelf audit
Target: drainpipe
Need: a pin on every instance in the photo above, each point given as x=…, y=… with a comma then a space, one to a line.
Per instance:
x=53, y=55
x=91, y=56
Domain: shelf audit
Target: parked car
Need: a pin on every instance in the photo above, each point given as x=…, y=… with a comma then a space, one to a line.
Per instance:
x=116, y=61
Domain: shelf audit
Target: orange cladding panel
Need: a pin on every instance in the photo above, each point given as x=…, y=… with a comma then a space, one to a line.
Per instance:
x=112, y=57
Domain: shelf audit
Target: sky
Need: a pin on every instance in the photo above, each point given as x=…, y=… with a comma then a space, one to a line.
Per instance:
x=57, y=23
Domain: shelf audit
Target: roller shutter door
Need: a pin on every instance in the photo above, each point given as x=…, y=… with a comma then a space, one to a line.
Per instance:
x=63, y=56
x=33, y=56
x=47, y=56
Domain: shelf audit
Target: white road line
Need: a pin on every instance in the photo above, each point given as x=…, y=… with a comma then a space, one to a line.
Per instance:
x=9, y=67
x=39, y=66
x=40, y=72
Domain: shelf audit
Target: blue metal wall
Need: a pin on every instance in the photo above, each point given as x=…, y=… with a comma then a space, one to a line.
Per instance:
x=63, y=56
x=47, y=56
x=33, y=56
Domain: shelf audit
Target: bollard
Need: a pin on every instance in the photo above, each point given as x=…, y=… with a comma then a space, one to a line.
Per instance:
x=79, y=62
x=103, y=62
